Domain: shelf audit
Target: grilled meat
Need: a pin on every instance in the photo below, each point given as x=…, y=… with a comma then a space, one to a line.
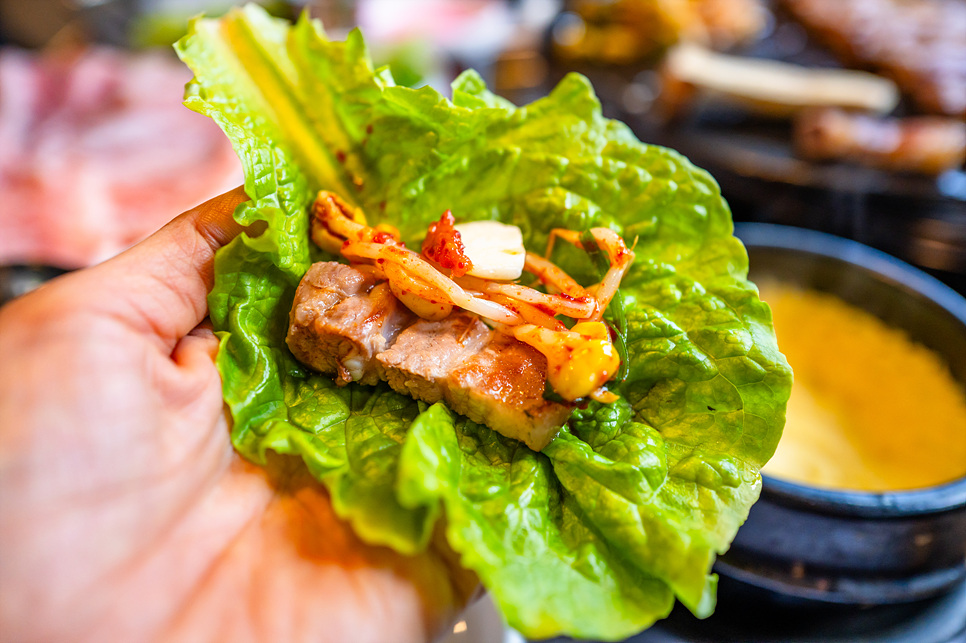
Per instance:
x=920, y=44
x=924, y=144
x=342, y=318
x=347, y=322
x=487, y=376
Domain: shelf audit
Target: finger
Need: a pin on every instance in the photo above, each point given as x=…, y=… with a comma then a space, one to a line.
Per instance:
x=198, y=348
x=160, y=285
x=194, y=377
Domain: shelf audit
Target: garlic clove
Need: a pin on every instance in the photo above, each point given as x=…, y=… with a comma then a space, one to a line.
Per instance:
x=496, y=249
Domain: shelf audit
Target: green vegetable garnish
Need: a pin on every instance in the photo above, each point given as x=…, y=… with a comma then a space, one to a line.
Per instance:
x=626, y=509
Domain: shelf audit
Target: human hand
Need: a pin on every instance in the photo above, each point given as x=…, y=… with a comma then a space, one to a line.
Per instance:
x=125, y=514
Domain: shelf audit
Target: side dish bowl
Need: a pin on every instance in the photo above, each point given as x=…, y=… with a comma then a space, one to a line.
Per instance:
x=848, y=547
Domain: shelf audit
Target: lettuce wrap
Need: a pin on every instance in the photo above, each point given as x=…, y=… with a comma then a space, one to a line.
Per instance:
x=626, y=509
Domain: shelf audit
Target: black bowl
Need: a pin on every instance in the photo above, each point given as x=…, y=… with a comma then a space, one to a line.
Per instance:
x=808, y=544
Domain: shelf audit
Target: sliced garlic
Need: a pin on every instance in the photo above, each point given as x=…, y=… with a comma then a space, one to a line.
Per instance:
x=496, y=249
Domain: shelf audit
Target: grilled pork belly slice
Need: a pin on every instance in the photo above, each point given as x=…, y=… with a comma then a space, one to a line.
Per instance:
x=487, y=376
x=347, y=322
x=341, y=319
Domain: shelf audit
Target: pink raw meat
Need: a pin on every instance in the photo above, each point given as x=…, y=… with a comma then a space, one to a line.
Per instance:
x=97, y=152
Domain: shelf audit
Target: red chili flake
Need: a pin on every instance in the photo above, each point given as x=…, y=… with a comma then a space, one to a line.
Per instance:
x=382, y=237
x=340, y=156
x=444, y=246
x=369, y=128
x=382, y=205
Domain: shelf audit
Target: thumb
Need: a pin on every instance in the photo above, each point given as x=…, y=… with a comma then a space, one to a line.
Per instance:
x=160, y=285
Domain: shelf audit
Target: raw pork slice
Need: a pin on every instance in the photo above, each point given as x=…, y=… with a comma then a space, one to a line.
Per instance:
x=97, y=152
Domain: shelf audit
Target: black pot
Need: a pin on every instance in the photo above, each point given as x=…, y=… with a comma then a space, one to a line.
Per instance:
x=802, y=543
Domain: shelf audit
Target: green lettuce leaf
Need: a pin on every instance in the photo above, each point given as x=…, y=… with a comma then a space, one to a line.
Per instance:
x=627, y=508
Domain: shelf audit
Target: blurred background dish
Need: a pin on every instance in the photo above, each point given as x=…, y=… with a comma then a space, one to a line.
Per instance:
x=879, y=401
x=906, y=539
x=96, y=149
x=96, y=152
